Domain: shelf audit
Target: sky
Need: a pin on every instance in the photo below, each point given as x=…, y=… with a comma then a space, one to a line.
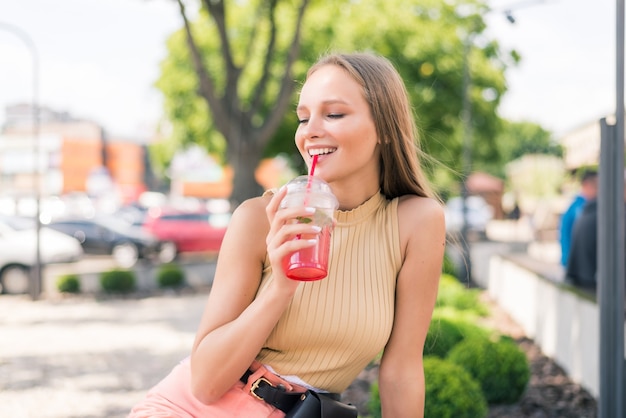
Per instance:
x=99, y=59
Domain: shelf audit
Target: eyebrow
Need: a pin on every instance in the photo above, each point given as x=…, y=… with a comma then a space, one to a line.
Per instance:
x=326, y=102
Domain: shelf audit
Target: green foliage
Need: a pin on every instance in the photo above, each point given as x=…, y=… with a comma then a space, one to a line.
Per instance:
x=373, y=403
x=68, y=283
x=118, y=281
x=449, y=268
x=444, y=333
x=454, y=294
x=170, y=276
x=500, y=367
x=520, y=138
x=451, y=392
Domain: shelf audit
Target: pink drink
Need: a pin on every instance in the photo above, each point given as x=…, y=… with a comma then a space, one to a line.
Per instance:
x=310, y=263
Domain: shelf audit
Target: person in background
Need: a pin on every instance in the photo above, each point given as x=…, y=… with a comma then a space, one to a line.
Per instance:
x=262, y=330
x=588, y=191
x=582, y=264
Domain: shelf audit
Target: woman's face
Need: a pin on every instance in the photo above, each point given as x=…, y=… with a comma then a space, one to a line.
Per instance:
x=335, y=122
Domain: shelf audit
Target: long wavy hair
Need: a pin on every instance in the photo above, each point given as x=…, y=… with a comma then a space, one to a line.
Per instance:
x=400, y=170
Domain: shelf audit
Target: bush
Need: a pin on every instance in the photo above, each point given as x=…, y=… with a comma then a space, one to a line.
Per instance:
x=373, y=404
x=444, y=333
x=500, y=367
x=170, y=276
x=69, y=283
x=453, y=293
x=118, y=281
x=450, y=392
x=448, y=265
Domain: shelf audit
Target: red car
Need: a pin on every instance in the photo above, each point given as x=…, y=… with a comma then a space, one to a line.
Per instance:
x=199, y=231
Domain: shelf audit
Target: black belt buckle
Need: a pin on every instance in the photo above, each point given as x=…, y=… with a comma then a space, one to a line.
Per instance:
x=256, y=385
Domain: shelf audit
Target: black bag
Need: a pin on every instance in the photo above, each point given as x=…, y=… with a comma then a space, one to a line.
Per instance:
x=316, y=405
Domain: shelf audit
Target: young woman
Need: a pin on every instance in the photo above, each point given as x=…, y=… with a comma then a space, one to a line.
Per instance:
x=386, y=257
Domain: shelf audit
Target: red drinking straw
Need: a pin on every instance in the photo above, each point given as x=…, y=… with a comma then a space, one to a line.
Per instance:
x=309, y=181
x=313, y=164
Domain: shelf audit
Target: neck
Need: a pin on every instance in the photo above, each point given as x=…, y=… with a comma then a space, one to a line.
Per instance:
x=350, y=198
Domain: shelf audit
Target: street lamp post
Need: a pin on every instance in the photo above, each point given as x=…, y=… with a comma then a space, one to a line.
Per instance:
x=466, y=117
x=36, y=282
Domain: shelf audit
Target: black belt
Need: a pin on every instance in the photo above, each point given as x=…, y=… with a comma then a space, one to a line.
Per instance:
x=277, y=396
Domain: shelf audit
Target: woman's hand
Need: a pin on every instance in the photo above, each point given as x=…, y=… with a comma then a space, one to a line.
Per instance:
x=284, y=228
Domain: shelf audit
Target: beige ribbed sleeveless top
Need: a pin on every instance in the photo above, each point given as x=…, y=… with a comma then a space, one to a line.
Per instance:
x=335, y=326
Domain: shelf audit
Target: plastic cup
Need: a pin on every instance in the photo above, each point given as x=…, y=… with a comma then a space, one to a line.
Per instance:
x=311, y=263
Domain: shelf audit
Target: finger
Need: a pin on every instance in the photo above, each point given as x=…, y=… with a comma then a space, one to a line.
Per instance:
x=293, y=245
x=290, y=231
x=274, y=204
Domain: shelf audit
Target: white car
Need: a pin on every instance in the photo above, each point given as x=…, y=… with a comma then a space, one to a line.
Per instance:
x=479, y=213
x=18, y=243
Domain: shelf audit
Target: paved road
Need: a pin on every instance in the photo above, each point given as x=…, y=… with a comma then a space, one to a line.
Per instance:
x=81, y=357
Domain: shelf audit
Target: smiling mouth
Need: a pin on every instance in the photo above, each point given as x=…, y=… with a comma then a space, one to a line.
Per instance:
x=321, y=151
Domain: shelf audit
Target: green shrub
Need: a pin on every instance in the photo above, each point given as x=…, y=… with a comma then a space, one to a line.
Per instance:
x=445, y=332
x=453, y=293
x=500, y=367
x=118, y=281
x=373, y=403
x=170, y=276
x=68, y=283
x=448, y=265
x=450, y=392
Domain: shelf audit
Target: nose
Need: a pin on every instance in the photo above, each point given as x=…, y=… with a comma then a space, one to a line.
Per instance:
x=312, y=128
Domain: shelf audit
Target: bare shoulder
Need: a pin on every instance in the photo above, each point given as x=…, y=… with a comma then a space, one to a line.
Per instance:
x=251, y=214
x=421, y=222
x=414, y=210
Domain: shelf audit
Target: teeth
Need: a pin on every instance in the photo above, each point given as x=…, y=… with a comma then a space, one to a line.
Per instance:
x=321, y=151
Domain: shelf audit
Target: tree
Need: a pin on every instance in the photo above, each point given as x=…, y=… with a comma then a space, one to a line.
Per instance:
x=245, y=116
x=233, y=100
x=517, y=139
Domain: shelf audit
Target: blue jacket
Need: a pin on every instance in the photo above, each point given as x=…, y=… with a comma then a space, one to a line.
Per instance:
x=567, y=225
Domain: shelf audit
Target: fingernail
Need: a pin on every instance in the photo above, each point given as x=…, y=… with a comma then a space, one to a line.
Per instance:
x=309, y=210
x=316, y=228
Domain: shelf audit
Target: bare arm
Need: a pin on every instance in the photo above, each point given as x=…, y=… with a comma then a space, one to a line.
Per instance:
x=401, y=378
x=235, y=324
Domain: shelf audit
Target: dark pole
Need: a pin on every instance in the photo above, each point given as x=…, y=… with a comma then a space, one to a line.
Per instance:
x=36, y=282
x=466, y=117
x=611, y=250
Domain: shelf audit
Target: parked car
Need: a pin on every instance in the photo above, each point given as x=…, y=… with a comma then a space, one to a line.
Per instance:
x=190, y=231
x=18, y=243
x=479, y=214
x=111, y=236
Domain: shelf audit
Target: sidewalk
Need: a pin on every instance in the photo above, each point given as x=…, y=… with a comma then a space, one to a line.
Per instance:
x=80, y=357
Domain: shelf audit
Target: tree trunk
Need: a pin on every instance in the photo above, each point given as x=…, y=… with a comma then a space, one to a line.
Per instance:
x=244, y=162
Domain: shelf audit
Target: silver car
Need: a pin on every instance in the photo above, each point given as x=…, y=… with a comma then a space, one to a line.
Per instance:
x=18, y=243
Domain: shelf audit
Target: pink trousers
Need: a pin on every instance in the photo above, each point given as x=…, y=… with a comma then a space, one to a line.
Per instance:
x=172, y=398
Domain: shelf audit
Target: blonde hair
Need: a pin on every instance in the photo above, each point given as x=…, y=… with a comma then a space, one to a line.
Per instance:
x=384, y=90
